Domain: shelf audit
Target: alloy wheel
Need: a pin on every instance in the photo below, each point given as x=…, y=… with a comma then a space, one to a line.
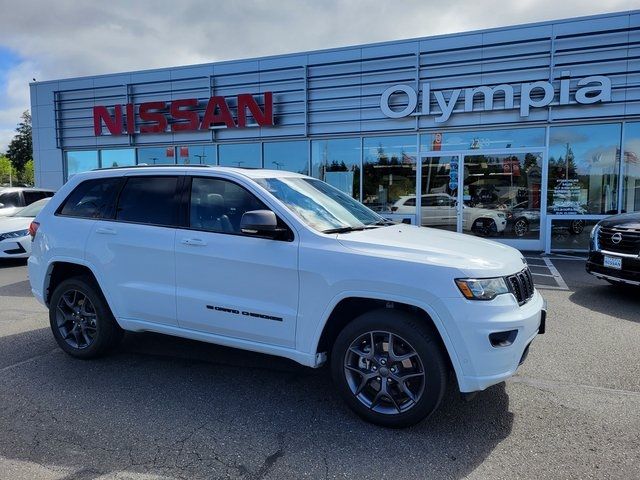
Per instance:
x=384, y=372
x=76, y=319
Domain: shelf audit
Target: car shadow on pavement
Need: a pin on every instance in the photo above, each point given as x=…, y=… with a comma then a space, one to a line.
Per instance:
x=177, y=408
x=12, y=262
x=621, y=301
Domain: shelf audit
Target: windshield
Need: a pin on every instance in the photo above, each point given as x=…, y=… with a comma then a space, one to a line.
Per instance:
x=320, y=205
x=31, y=210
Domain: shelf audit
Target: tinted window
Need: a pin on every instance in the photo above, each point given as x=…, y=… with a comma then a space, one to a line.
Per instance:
x=32, y=196
x=150, y=200
x=218, y=205
x=10, y=199
x=410, y=202
x=91, y=199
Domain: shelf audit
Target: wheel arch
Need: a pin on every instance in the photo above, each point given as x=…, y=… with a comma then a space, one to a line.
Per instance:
x=60, y=269
x=348, y=307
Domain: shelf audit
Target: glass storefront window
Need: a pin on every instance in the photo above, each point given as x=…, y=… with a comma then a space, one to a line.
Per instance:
x=389, y=172
x=157, y=156
x=583, y=169
x=290, y=156
x=501, y=195
x=483, y=139
x=439, y=193
x=117, y=158
x=197, y=155
x=337, y=162
x=571, y=234
x=631, y=168
x=244, y=155
x=81, y=161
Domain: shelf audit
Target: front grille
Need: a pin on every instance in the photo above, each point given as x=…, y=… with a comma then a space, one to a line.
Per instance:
x=521, y=285
x=629, y=240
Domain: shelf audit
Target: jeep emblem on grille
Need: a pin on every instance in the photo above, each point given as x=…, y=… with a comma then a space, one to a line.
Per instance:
x=616, y=238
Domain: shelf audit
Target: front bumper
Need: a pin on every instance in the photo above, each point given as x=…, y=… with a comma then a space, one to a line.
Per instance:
x=19, y=247
x=628, y=274
x=482, y=363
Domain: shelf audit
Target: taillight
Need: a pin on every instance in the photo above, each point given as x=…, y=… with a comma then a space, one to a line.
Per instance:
x=33, y=229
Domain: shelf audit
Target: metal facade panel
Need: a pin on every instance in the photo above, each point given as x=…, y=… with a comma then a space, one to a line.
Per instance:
x=338, y=91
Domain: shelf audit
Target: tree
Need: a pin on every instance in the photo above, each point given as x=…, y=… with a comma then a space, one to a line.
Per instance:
x=20, y=149
x=7, y=171
x=26, y=175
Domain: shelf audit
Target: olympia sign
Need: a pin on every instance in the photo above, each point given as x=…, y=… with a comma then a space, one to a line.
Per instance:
x=592, y=89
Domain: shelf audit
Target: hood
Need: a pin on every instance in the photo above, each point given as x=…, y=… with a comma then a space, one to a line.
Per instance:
x=12, y=224
x=473, y=256
x=624, y=220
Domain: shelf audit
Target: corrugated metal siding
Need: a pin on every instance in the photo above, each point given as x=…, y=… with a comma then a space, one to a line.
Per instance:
x=338, y=91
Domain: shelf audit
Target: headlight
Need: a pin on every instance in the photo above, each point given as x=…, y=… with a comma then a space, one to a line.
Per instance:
x=16, y=234
x=482, y=288
x=500, y=215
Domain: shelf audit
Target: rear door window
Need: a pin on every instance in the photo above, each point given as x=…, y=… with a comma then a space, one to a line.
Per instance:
x=149, y=200
x=92, y=199
x=31, y=196
x=10, y=199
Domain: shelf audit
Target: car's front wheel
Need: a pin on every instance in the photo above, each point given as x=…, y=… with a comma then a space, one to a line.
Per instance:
x=81, y=320
x=389, y=367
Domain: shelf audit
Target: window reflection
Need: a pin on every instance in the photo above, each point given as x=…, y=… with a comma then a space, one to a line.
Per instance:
x=389, y=171
x=157, y=156
x=337, y=162
x=290, y=156
x=117, y=158
x=484, y=139
x=631, y=168
x=583, y=169
x=197, y=154
x=81, y=161
x=244, y=155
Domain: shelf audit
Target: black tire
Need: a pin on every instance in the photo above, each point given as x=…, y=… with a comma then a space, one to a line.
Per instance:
x=411, y=333
x=576, y=227
x=520, y=227
x=484, y=227
x=99, y=324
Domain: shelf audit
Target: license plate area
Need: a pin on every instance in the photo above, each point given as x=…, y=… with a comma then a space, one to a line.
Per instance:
x=612, y=262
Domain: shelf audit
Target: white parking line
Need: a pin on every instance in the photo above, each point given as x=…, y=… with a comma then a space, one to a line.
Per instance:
x=554, y=271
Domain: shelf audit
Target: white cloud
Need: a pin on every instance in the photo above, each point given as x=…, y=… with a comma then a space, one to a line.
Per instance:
x=72, y=38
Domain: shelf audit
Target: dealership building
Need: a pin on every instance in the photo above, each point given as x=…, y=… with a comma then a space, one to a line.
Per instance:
x=526, y=134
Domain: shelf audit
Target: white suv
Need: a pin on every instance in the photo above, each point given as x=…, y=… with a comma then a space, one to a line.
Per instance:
x=287, y=265
x=440, y=209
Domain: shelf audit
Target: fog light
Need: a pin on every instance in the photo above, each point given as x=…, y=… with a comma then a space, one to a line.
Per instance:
x=503, y=339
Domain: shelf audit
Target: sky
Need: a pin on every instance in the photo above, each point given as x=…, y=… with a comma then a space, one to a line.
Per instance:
x=68, y=38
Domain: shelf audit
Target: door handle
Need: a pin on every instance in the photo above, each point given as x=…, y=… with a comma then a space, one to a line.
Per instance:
x=106, y=230
x=198, y=242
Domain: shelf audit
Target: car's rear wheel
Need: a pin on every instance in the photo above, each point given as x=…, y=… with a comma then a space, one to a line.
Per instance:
x=389, y=368
x=81, y=320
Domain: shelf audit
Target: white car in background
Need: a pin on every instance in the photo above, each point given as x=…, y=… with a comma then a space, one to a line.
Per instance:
x=439, y=210
x=15, y=241
x=13, y=199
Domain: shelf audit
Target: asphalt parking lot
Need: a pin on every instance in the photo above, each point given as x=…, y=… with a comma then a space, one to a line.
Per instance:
x=161, y=407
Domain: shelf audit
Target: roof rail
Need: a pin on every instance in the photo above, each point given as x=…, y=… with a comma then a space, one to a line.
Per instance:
x=144, y=165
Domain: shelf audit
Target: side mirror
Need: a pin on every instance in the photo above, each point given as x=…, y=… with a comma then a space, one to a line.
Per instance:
x=262, y=223
x=1, y=205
